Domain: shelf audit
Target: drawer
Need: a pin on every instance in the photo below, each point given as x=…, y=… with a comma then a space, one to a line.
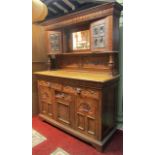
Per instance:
x=56, y=86
x=44, y=83
x=69, y=89
x=90, y=93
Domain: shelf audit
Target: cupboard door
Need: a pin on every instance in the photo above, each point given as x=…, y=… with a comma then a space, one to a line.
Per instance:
x=101, y=35
x=64, y=108
x=86, y=116
x=45, y=99
x=54, y=42
x=45, y=94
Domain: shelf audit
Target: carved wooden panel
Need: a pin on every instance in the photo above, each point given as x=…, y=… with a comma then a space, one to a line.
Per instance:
x=86, y=116
x=91, y=126
x=63, y=108
x=45, y=94
x=54, y=42
x=44, y=83
x=69, y=89
x=86, y=15
x=44, y=108
x=87, y=106
x=63, y=112
x=94, y=61
x=45, y=98
x=56, y=86
x=90, y=93
x=81, y=121
x=97, y=62
x=63, y=97
x=50, y=110
x=68, y=62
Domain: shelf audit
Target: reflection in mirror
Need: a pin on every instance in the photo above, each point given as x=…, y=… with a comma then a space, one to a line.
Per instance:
x=81, y=40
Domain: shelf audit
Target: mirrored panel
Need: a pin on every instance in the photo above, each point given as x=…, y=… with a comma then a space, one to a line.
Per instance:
x=81, y=40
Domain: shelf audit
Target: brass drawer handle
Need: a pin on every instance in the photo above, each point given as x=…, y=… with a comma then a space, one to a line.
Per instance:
x=78, y=90
x=62, y=95
x=92, y=92
x=67, y=87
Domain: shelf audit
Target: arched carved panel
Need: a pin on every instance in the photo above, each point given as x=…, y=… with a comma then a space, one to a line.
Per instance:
x=87, y=106
x=86, y=116
x=45, y=98
x=64, y=112
x=45, y=94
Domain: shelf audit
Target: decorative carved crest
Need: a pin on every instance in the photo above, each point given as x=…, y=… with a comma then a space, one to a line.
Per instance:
x=84, y=107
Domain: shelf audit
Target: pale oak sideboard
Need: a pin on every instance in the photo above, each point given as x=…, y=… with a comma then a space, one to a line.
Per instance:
x=78, y=93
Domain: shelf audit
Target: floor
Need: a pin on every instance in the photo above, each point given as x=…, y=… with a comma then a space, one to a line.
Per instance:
x=56, y=138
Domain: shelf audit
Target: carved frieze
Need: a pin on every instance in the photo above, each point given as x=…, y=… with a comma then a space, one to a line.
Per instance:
x=44, y=83
x=78, y=19
x=90, y=93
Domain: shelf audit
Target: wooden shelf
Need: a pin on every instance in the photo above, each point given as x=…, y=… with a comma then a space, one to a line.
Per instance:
x=82, y=53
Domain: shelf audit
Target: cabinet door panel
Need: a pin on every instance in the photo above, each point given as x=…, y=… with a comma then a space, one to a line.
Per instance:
x=63, y=113
x=44, y=108
x=101, y=34
x=54, y=42
x=45, y=94
x=64, y=108
x=91, y=126
x=50, y=108
x=45, y=99
x=80, y=121
x=86, y=116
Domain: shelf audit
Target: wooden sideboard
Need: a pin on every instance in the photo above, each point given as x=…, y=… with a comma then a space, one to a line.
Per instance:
x=78, y=92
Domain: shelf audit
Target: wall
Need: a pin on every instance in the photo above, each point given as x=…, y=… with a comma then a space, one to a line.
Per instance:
x=39, y=60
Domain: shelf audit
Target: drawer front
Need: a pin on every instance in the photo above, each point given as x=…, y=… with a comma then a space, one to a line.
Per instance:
x=90, y=93
x=69, y=89
x=56, y=86
x=44, y=83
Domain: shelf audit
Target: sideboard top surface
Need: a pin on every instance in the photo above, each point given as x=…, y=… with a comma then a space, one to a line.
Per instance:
x=78, y=75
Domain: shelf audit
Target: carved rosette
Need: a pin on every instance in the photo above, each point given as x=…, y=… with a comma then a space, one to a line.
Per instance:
x=86, y=108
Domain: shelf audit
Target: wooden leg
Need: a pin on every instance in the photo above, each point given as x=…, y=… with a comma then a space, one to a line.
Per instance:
x=42, y=119
x=98, y=147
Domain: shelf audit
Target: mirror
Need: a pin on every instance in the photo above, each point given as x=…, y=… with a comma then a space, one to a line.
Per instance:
x=81, y=40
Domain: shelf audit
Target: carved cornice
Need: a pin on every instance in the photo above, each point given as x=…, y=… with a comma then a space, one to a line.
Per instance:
x=84, y=16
